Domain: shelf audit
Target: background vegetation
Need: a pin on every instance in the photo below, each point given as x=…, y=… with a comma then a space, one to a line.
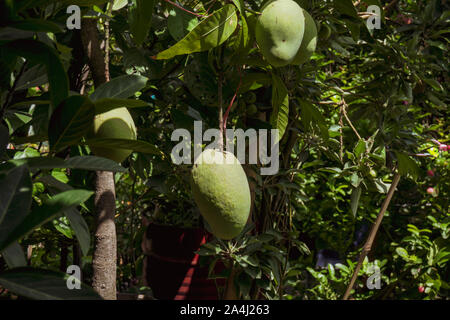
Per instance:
x=368, y=103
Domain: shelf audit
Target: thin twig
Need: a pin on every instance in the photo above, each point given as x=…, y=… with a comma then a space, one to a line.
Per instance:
x=348, y=119
x=181, y=8
x=225, y=117
x=107, y=36
x=341, y=137
x=368, y=245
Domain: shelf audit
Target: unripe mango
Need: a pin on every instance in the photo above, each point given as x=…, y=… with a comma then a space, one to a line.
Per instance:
x=279, y=31
x=221, y=191
x=309, y=41
x=117, y=124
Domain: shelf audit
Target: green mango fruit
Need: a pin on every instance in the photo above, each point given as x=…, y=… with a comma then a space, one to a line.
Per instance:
x=117, y=124
x=309, y=41
x=221, y=191
x=279, y=31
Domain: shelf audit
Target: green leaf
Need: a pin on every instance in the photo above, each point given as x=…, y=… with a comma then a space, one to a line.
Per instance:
x=70, y=122
x=42, y=214
x=36, y=25
x=275, y=267
x=14, y=255
x=135, y=145
x=119, y=4
x=180, y=23
x=92, y=163
x=208, y=34
x=4, y=138
x=141, y=19
x=15, y=199
x=252, y=81
x=345, y=7
x=311, y=118
x=406, y=165
x=39, y=53
x=355, y=180
x=434, y=84
x=356, y=194
x=360, y=148
x=402, y=252
x=107, y=104
x=280, y=106
x=121, y=87
x=240, y=5
x=44, y=285
x=76, y=220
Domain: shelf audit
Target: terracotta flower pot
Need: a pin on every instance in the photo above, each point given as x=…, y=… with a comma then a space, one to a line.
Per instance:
x=171, y=267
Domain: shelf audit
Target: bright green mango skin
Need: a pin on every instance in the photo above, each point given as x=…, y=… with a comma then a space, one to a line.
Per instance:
x=221, y=192
x=279, y=31
x=309, y=41
x=118, y=124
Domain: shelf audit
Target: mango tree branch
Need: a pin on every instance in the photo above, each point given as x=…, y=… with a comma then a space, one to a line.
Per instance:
x=368, y=245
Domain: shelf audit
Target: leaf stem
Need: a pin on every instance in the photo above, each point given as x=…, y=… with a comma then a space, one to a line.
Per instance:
x=225, y=117
x=185, y=10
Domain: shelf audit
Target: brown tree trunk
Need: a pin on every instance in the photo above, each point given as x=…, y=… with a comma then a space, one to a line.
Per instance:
x=105, y=242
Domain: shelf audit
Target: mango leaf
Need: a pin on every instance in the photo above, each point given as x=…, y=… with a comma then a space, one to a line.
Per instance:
x=14, y=255
x=4, y=138
x=356, y=195
x=92, y=163
x=208, y=34
x=360, y=148
x=240, y=5
x=120, y=88
x=39, y=53
x=107, y=104
x=119, y=4
x=280, y=106
x=70, y=122
x=243, y=43
x=141, y=19
x=15, y=198
x=406, y=165
x=312, y=119
x=36, y=25
x=135, y=145
x=180, y=23
x=40, y=215
x=252, y=81
x=345, y=7
x=45, y=285
x=76, y=220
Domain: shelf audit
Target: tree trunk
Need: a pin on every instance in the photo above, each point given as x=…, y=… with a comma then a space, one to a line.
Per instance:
x=105, y=242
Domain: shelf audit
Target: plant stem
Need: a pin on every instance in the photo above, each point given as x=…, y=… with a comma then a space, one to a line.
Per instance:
x=344, y=106
x=368, y=245
x=181, y=8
